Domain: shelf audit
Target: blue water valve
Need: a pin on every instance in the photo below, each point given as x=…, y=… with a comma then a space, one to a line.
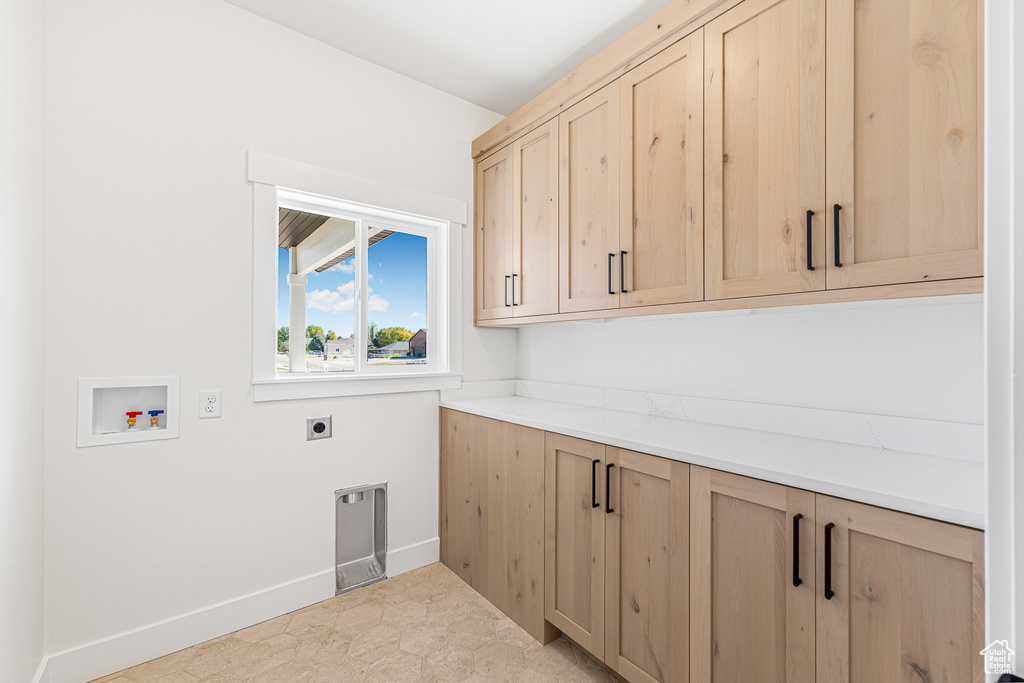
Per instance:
x=154, y=418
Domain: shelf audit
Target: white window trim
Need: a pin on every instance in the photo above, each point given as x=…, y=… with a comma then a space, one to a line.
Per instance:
x=269, y=175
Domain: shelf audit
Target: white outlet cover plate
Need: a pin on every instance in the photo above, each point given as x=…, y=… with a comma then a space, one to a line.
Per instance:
x=209, y=403
x=312, y=434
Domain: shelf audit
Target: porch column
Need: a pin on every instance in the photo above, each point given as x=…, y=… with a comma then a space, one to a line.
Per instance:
x=296, y=318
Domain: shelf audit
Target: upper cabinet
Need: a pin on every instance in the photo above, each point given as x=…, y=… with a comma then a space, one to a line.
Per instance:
x=780, y=152
x=904, y=141
x=492, y=235
x=588, y=138
x=661, y=230
x=516, y=232
x=765, y=149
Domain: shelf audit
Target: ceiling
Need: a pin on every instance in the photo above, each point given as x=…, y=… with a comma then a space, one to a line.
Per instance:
x=498, y=55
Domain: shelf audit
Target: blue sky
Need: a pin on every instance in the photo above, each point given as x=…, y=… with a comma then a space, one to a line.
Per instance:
x=398, y=288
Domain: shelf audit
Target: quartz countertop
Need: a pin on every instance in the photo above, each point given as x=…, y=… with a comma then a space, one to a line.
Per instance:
x=942, y=488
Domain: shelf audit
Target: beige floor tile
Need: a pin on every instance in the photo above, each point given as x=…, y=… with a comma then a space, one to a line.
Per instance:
x=426, y=625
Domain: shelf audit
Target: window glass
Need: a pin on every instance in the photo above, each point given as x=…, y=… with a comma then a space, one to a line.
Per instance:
x=397, y=303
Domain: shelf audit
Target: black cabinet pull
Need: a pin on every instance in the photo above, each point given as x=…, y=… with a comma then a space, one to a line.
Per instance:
x=622, y=272
x=593, y=484
x=610, y=257
x=829, y=593
x=506, y=289
x=810, y=251
x=796, y=550
x=608, y=489
x=514, y=289
x=835, y=241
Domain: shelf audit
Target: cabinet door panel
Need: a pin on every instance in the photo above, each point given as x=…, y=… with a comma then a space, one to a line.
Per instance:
x=524, y=515
x=908, y=601
x=588, y=139
x=747, y=619
x=904, y=140
x=647, y=601
x=493, y=235
x=535, y=251
x=662, y=203
x=764, y=148
x=574, y=542
x=470, y=453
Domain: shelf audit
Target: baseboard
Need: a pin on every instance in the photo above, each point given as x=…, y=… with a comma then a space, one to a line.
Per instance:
x=402, y=560
x=106, y=656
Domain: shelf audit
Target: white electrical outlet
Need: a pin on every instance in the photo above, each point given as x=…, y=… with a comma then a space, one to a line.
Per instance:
x=209, y=403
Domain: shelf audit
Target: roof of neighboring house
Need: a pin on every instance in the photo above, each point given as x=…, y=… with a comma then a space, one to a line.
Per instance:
x=396, y=346
x=420, y=336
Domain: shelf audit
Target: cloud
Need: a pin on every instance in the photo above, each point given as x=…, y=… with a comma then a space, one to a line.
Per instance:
x=415, y=315
x=342, y=299
x=346, y=266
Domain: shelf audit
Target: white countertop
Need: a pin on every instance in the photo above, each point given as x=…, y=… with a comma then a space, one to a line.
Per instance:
x=942, y=488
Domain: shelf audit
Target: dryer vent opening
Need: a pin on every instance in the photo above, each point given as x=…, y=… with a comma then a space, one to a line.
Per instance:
x=360, y=550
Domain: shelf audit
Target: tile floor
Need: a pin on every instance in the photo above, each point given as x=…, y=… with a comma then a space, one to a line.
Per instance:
x=426, y=625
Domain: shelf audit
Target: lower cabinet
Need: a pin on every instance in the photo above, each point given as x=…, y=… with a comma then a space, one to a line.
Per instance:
x=668, y=572
x=491, y=517
x=788, y=585
x=618, y=556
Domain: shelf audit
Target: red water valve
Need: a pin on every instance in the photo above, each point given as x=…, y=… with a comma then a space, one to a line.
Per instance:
x=132, y=414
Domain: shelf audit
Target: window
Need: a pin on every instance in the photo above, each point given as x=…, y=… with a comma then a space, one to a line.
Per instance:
x=357, y=283
x=357, y=298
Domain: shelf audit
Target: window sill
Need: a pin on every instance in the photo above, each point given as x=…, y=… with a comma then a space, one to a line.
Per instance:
x=317, y=386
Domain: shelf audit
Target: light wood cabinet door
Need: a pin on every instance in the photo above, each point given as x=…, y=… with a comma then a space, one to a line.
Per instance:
x=535, y=217
x=647, y=599
x=469, y=521
x=764, y=146
x=662, y=177
x=574, y=543
x=748, y=619
x=904, y=140
x=908, y=600
x=493, y=235
x=524, y=530
x=588, y=225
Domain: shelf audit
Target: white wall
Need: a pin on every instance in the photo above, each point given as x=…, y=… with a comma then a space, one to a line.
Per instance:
x=151, y=108
x=920, y=358
x=22, y=266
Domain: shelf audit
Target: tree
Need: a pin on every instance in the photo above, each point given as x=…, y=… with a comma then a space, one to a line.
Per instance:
x=316, y=337
x=371, y=335
x=331, y=336
x=282, y=337
x=390, y=335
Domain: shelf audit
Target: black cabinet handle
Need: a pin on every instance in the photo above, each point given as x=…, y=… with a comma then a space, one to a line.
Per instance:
x=810, y=251
x=506, y=289
x=610, y=257
x=835, y=241
x=514, y=289
x=608, y=489
x=829, y=593
x=593, y=483
x=622, y=272
x=796, y=550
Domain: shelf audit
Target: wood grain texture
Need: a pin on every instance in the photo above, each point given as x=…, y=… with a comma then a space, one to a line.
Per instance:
x=574, y=544
x=492, y=235
x=647, y=597
x=588, y=203
x=661, y=186
x=909, y=597
x=466, y=444
x=905, y=140
x=914, y=289
x=524, y=516
x=747, y=620
x=764, y=148
x=535, y=220
x=652, y=35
